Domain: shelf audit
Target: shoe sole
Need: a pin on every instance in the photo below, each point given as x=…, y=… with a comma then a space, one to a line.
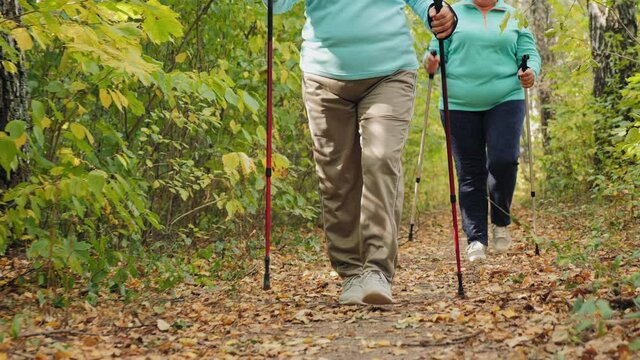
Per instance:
x=353, y=301
x=377, y=299
x=477, y=257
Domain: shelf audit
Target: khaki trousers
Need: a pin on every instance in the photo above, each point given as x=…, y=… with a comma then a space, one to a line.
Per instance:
x=359, y=129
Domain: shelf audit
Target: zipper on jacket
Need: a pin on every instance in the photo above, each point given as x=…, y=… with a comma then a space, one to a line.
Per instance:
x=484, y=14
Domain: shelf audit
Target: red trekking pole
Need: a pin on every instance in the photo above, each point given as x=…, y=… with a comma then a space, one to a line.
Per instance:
x=447, y=127
x=267, y=227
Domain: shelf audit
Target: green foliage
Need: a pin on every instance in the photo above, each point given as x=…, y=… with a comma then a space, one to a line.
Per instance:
x=433, y=189
x=146, y=127
x=568, y=161
x=574, y=163
x=591, y=314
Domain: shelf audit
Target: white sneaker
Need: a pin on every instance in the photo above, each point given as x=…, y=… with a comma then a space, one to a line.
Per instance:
x=376, y=289
x=351, y=290
x=501, y=239
x=475, y=251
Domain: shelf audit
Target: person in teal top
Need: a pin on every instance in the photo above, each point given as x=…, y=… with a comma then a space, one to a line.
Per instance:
x=354, y=40
x=486, y=99
x=359, y=74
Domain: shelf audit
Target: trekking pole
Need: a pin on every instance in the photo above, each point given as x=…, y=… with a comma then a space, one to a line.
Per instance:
x=447, y=126
x=524, y=67
x=267, y=227
x=432, y=73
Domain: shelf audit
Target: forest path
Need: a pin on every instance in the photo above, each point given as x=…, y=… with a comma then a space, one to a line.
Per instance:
x=517, y=307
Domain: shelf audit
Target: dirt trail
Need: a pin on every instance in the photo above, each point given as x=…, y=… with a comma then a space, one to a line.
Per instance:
x=517, y=306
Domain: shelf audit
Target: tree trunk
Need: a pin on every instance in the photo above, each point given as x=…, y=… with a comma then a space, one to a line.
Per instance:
x=613, y=32
x=541, y=22
x=13, y=86
x=613, y=38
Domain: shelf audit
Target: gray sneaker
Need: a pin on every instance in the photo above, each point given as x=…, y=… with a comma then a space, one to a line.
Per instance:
x=376, y=289
x=351, y=290
x=501, y=239
x=475, y=251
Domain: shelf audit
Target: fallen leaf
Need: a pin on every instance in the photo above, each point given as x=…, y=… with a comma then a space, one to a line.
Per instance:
x=516, y=341
x=559, y=336
x=89, y=341
x=399, y=351
x=163, y=325
x=509, y=313
x=61, y=355
x=188, y=342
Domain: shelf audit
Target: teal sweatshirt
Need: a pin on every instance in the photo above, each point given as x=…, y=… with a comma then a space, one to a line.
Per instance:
x=356, y=39
x=482, y=61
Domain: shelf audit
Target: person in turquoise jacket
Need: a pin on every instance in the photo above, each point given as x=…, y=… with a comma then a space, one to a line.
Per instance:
x=487, y=109
x=359, y=74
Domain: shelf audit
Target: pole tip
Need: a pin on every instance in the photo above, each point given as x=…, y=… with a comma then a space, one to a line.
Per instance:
x=460, y=286
x=411, y=232
x=266, y=285
x=537, y=250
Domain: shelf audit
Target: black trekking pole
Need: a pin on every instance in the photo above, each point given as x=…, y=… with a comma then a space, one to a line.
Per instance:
x=447, y=126
x=267, y=227
x=421, y=155
x=524, y=67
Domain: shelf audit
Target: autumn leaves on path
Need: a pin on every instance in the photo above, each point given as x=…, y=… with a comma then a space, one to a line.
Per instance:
x=517, y=306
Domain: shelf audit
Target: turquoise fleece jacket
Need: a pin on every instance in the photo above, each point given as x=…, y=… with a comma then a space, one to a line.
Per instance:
x=356, y=39
x=482, y=61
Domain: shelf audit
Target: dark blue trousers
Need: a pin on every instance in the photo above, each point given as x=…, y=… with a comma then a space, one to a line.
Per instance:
x=486, y=147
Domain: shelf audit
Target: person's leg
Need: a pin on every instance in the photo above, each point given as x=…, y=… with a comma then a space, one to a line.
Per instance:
x=503, y=130
x=469, y=151
x=336, y=146
x=384, y=113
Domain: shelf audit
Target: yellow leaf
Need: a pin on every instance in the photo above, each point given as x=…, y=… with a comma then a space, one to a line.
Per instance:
x=82, y=110
x=247, y=164
x=78, y=131
x=105, y=98
x=234, y=127
x=46, y=122
x=21, y=141
x=230, y=162
x=509, y=313
x=116, y=99
x=22, y=38
x=383, y=343
x=123, y=99
x=181, y=58
x=188, y=342
x=9, y=67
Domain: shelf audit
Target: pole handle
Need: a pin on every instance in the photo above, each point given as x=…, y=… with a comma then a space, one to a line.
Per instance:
x=438, y=5
x=432, y=67
x=523, y=65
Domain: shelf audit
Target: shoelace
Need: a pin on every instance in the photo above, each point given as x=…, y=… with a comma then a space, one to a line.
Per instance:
x=376, y=276
x=500, y=232
x=350, y=281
